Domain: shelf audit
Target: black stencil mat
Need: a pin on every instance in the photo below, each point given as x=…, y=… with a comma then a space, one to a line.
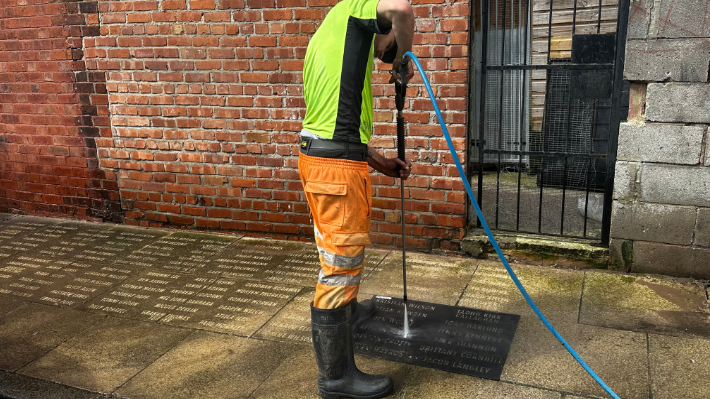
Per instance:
x=450, y=338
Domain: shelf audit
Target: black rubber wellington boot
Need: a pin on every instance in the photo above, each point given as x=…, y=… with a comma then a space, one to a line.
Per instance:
x=362, y=310
x=338, y=377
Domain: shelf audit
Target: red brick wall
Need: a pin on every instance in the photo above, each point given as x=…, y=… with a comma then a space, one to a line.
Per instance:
x=205, y=103
x=51, y=109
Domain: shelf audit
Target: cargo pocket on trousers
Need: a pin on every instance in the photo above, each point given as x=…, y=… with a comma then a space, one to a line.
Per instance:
x=348, y=238
x=329, y=206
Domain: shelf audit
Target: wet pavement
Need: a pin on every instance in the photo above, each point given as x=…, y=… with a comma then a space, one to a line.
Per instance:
x=100, y=310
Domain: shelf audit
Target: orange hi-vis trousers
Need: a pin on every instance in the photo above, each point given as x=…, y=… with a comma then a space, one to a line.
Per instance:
x=339, y=194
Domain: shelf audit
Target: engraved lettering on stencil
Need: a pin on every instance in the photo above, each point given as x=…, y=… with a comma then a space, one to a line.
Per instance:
x=471, y=367
x=474, y=326
x=482, y=358
x=387, y=351
x=478, y=316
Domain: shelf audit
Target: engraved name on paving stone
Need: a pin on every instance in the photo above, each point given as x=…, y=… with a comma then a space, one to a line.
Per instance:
x=130, y=240
x=490, y=289
x=296, y=268
x=455, y=339
x=243, y=306
x=186, y=301
x=248, y=258
x=293, y=322
x=137, y=296
x=30, y=277
x=85, y=281
x=182, y=252
x=250, y=264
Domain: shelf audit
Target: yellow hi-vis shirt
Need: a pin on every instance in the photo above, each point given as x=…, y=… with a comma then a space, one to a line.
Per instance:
x=337, y=73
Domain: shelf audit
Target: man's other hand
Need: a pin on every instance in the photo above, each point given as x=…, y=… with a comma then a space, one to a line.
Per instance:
x=395, y=167
x=394, y=72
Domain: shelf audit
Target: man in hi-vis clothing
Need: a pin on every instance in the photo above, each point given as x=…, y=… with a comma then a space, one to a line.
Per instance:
x=333, y=164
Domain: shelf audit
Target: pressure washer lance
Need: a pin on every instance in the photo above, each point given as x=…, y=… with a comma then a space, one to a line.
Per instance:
x=400, y=86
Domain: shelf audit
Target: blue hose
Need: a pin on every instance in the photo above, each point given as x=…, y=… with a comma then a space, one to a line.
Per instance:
x=493, y=240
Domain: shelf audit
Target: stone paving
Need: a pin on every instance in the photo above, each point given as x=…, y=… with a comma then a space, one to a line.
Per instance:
x=97, y=310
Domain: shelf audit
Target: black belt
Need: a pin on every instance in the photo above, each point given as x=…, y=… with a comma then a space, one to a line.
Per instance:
x=334, y=149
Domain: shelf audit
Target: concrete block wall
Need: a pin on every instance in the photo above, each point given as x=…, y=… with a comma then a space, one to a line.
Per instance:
x=51, y=110
x=200, y=104
x=661, y=208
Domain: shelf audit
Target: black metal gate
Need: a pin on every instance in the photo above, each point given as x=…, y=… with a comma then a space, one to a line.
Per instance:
x=548, y=97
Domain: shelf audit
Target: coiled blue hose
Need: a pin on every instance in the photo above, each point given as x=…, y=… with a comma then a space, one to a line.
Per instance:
x=490, y=234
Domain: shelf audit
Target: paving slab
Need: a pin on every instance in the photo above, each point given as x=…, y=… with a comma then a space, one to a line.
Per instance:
x=181, y=252
x=679, y=367
x=208, y=365
x=238, y=307
x=13, y=233
x=424, y=383
x=22, y=387
x=56, y=281
x=297, y=375
x=151, y=295
x=106, y=355
x=293, y=322
x=644, y=303
x=7, y=305
x=556, y=292
x=32, y=331
x=536, y=358
x=430, y=278
x=106, y=244
x=253, y=258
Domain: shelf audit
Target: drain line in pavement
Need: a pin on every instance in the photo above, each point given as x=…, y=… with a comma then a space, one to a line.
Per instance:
x=493, y=240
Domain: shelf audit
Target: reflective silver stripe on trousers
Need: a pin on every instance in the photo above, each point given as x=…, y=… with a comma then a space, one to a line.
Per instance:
x=316, y=232
x=343, y=280
x=342, y=260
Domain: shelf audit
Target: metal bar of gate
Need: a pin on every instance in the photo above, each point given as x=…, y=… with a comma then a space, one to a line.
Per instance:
x=621, y=29
x=589, y=167
x=501, y=93
x=482, y=106
x=569, y=133
x=522, y=27
x=599, y=18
